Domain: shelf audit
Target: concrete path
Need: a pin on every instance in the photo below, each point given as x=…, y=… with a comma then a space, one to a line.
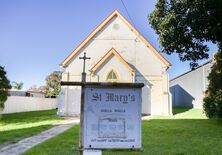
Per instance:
x=27, y=143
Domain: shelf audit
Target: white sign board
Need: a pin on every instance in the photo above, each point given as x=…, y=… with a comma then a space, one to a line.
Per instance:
x=112, y=117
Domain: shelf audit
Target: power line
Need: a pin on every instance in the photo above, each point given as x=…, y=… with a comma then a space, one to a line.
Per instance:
x=127, y=13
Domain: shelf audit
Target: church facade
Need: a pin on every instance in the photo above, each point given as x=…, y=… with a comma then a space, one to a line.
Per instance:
x=119, y=53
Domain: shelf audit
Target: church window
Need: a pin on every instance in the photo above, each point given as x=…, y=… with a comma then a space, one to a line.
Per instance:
x=112, y=76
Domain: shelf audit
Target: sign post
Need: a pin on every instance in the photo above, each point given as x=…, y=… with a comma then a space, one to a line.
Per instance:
x=82, y=105
x=110, y=115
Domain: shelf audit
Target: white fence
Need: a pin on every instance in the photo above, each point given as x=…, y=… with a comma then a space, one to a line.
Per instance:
x=23, y=104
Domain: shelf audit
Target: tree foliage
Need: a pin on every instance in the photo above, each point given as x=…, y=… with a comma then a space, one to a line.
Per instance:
x=184, y=27
x=4, y=86
x=17, y=85
x=53, y=84
x=213, y=99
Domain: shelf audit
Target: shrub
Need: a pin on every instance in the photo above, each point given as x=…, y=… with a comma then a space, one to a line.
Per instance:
x=212, y=103
x=4, y=86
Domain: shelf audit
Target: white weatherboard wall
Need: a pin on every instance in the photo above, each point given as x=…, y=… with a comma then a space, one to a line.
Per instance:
x=24, y=104
x=188, y=89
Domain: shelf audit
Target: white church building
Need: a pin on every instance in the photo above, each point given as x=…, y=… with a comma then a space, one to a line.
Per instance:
x=119, y=53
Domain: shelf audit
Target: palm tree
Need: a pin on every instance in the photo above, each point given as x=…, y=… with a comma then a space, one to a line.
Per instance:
x=17, y=85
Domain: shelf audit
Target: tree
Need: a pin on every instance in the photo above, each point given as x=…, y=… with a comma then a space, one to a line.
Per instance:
x=42, y=88
x=53, y=84
x=213, y=100
x=4, y=86
x=17, y=85
x=184, y=27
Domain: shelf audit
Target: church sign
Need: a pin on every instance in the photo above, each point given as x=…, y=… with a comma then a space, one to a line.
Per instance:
x=112, y=117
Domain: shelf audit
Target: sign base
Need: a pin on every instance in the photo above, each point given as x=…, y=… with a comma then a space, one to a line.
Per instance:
x=92, y=152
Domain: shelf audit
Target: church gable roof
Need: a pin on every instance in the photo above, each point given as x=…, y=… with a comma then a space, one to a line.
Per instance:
x=110, y=53
x=102, y=25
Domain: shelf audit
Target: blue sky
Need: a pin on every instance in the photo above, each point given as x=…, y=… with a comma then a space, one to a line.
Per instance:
x=36, y=35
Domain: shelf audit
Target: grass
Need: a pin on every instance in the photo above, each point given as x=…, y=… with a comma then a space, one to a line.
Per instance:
x=187, y=132
x=185, y=113
x=16, y=126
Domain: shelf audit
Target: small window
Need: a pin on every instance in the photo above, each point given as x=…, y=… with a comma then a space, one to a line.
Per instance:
x=112, y=76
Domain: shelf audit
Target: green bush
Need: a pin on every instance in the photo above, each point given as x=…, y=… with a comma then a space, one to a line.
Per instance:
x=212, y=102
x=4, y=86
x=213, y=105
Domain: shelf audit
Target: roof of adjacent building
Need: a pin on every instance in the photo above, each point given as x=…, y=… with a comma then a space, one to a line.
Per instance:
x=102, y=25
x=191, y=70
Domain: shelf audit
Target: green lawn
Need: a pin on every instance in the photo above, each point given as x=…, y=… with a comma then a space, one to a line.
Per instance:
x=187, y=132
x=16, y=126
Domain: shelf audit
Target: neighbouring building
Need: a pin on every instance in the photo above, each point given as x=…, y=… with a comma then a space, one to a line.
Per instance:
x=15, y=92
x=28, y=93
x=189, y=88
x=36, y=93
x=119, y=53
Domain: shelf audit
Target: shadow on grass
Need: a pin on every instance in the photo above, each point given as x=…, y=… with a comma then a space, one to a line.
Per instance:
x=13, y=136
x=177, y=110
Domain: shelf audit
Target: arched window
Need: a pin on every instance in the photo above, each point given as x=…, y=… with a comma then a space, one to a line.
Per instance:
x=112, y=76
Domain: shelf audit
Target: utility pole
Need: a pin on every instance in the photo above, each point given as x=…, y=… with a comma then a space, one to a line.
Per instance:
x=82, y=105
